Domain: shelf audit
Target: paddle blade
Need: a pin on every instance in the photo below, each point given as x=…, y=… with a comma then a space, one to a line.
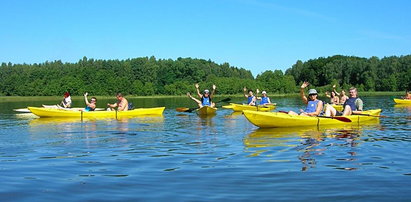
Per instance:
x=182, y=109
x=341, y=118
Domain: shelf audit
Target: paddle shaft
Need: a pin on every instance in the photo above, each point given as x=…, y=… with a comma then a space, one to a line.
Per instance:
x=340, y=118
x=184, y=109
x=372, y=115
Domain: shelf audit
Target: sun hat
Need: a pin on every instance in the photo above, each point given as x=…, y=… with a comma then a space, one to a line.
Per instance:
x=312, y=92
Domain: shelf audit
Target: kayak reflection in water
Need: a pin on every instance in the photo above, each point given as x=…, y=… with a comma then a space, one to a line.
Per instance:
x=314, y=105
x=205, y=97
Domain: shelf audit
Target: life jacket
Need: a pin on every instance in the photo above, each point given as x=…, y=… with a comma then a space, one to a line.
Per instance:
x=67, y=101
x=88, y=109
x=312, y=106
x=250, y=99
x=351, y=102
x=206, y=101
x=264, y=100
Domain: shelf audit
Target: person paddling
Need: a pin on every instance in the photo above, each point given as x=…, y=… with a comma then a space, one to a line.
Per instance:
x=314, y=105
x=205, y=97
x=353, y=105
x=251, y=99
x=122, y=103
x=90, y=106
x=66, y=102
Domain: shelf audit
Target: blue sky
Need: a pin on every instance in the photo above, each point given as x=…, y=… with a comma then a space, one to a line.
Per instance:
x=257, y=35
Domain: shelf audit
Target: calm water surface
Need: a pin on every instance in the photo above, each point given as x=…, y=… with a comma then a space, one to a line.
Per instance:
x=183, y=157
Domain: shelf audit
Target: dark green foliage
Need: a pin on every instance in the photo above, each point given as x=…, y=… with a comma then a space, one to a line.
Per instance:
x=149, y=76
x=373, y=74
x=138, y=76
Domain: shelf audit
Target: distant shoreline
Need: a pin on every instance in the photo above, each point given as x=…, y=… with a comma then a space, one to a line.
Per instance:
x=5, y=98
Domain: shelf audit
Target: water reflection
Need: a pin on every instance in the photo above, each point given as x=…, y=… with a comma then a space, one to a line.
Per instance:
x=59, y=120
x=310, y=143
x=402, y=108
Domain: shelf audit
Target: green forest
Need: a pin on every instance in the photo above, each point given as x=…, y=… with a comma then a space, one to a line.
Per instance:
x=150, y=76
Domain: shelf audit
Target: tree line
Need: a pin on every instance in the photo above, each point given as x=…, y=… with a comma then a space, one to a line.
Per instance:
x=151, y=76
x=367, y=74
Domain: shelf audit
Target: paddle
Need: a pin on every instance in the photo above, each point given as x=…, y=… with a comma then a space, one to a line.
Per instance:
x=186, y=109
x=340, y=118
x=372, y=115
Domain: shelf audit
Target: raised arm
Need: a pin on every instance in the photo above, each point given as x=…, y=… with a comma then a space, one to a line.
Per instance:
x=302, y=94
x=85, y=99
x=245, y=92
x=213, y=92
x=336, y=93
x=256, y=94
x=198, y=90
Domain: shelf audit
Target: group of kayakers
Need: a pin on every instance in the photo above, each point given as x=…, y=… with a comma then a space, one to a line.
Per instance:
x=315, y=107
x=122, y=104
x=206, y=97
x=335, y=97
x=352, y=104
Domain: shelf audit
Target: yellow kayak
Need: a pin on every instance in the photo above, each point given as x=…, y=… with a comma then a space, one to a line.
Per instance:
x=242, y=107
x=206, y=110
x=337, y=107
x=280, y=120
x=402, y=101
x=48, y=112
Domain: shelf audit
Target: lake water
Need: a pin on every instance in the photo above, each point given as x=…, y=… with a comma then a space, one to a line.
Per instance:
x=183, y=157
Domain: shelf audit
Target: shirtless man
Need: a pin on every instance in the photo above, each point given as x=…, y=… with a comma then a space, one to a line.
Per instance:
x=122, y=104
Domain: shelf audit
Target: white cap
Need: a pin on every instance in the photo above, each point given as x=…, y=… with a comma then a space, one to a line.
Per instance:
x=263, y=92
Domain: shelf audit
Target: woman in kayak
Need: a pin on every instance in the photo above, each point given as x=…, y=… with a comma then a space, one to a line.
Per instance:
x=334, y=99
x=314, y=105
x=343, y=97
x=205, y=97
x=66, y=102
x=90, y=106
x=251, y=99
